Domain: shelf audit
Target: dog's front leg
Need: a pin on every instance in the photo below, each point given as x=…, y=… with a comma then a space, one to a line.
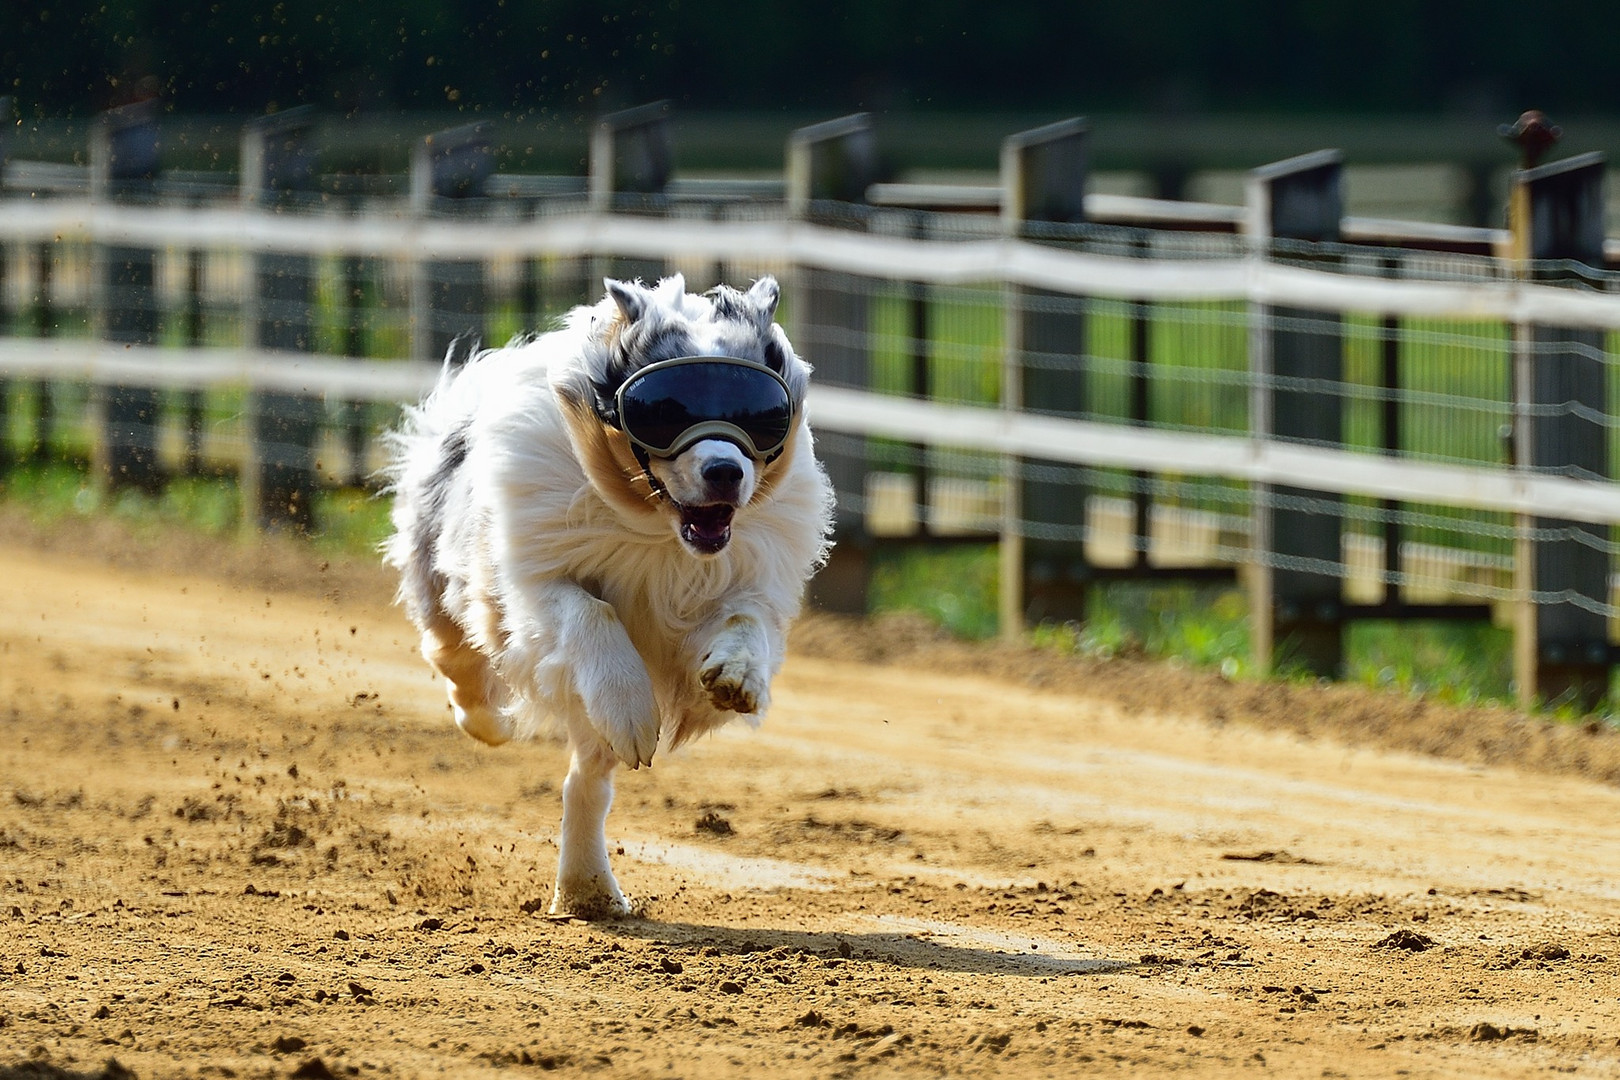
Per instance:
x=737, y=663
x=585, y=884
x=605, y=670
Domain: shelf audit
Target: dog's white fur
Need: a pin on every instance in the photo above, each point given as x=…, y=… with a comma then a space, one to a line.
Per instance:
x=557, y=591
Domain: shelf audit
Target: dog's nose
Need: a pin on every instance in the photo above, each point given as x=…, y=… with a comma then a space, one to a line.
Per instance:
x=723, y=477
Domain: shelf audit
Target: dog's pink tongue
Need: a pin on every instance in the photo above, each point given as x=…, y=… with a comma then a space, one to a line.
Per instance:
x=709, y=530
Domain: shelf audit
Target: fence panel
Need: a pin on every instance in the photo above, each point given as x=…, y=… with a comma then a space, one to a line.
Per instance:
x=1083, y=393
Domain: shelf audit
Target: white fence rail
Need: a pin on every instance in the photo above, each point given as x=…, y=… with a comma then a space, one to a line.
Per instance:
x=1256, y=280
x=854, y=412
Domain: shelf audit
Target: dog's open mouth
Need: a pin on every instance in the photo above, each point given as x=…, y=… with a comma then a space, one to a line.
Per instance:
x=707, y=528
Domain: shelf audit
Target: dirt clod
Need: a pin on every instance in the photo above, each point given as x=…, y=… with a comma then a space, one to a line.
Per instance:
x=714, y=824
x=1409, y=940
x=1487, y=1032
x=1546, y=951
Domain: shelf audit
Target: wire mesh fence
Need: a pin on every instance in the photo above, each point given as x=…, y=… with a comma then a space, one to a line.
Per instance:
x=1170, y=365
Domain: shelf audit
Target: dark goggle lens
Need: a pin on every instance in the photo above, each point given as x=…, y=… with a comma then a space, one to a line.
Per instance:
x=661, y=404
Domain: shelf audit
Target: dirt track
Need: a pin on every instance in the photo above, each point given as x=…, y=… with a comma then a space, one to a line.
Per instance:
x=240, y=837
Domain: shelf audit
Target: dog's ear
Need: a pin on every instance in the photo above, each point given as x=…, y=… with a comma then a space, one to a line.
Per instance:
x=630, y=296
x=763, y=296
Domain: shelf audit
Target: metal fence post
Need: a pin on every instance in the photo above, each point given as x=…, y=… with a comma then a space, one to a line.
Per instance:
x=1043, y=175
x=278, y=478
x=1296, y=361
x=629, y=168
x=1560, y=394
x=448, y=299
x=123, y=168
x=835, y=162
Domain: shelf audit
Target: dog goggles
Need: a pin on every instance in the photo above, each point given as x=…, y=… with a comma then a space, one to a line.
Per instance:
x=666, y=407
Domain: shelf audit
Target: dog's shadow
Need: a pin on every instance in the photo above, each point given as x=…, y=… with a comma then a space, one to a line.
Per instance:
x=898, y=948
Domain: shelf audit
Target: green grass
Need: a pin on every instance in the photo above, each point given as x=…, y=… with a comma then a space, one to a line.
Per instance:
x=349, y=522
x=1459, y=663
x=1202, y=626
x=954, y=587
x=54, y=492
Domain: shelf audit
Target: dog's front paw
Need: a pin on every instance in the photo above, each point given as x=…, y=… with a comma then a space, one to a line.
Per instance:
x=734, y=683
x=626, y=715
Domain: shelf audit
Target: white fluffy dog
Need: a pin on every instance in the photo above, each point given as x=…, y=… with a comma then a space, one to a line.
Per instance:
x=603, y=532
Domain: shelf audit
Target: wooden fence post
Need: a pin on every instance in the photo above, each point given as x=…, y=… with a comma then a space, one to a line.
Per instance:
x=448, y=295
x=7, y=458
x=44, y=317
x=629, y=156
x=1560, y=397
x=354, y=270
x=278, y=478
x=1043, y=177
x=835, y=162
x=1296, y=367
x=193, y=333
x=123, y=168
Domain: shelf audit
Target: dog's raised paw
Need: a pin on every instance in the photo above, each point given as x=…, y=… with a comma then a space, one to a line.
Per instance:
x=733, y=686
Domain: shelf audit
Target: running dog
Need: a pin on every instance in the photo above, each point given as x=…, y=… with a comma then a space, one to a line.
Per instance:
x=603, y=532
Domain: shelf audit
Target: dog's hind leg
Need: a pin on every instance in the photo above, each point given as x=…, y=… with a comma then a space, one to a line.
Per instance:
x=471, y=684
x=585, y=883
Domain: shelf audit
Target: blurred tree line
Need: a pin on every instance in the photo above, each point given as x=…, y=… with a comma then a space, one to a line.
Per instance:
x=578, y=57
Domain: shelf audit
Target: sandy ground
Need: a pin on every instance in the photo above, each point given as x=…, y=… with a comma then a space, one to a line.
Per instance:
x=240, y=837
